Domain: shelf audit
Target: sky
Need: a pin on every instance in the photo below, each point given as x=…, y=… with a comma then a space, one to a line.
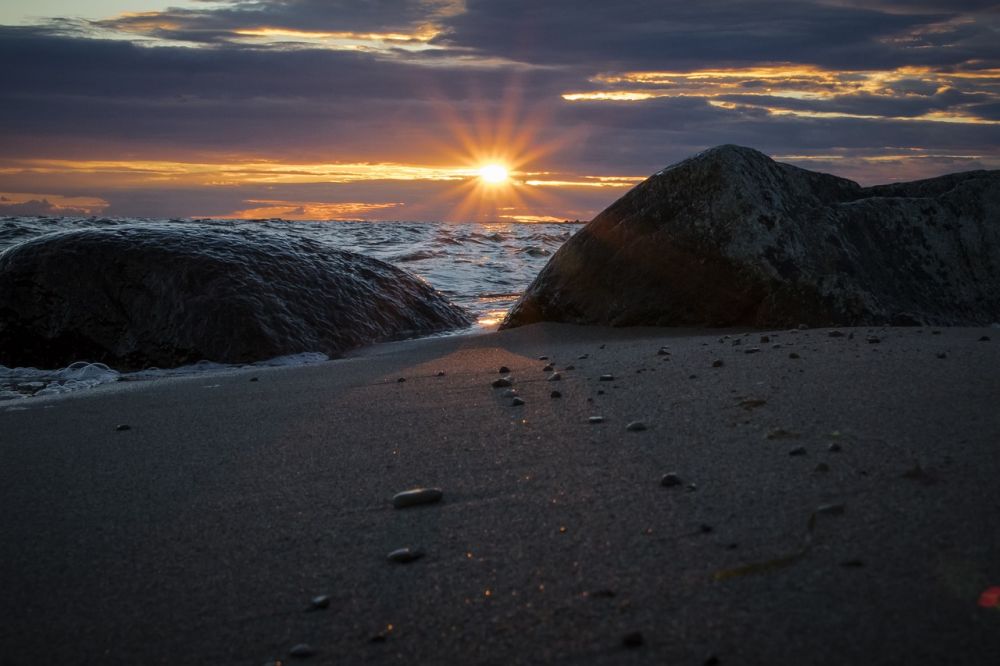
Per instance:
x=390, y=109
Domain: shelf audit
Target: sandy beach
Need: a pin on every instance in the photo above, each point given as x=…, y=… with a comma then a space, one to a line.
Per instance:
x=837, y=504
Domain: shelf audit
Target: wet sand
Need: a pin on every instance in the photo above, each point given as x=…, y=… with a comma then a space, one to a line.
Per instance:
x=200, y=534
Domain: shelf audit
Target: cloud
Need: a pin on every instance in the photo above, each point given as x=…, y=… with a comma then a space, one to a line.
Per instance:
x=41, y=207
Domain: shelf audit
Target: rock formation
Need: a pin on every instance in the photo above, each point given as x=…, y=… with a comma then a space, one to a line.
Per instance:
x=731, y=237
x=136, y=296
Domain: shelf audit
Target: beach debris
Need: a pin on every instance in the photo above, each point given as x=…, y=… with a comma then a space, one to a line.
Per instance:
x=555, y=394
x=831, y=509
x=632, y=639
x=517, y=402
x=503, y=370
x=319, y=602
x=670, y=479
x=781, y=433
x=416, y=496
x=503, y=382
x=595, y=419
x=775, y=563
x=821, y=468
x=717, y=363
x=554, y=377
x=751, y=403
x=636, y=426
x=794, y=355
x=302, y=650
x=549, y=368
x=835, y=334
x=606, y=378
x=990, y=598
x=797, y=451
x=122, y=427
x=405, y=555
x=834, y=448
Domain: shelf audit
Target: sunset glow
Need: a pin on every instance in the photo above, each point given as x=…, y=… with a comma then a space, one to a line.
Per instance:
x=494, y=174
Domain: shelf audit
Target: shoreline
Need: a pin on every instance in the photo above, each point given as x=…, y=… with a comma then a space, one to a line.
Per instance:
x=202, y=531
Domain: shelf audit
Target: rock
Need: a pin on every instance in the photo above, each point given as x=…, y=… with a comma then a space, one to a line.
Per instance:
x=510, y=393
x=517, y=402
x=606, y=378
x=822, y=468
x=797, y=451
x=504, y=370
x=941, y=355
x=122, y=427
x=835, y=334
x=319, y=602
x=595, y=419
x=439, y=373
x=405, y=555
x=636, y=426
x=548, y=368
x=984, y=338
x=302, y=650
x=730, y=237
x=633, y=639
x=167, y=294
x=831, y=509
x=554, y=377
x=765, y=339
x=834, y=448
x=717, y=364
x=543, y=358
x=401, y=380
x=555, y=394
x=254, y=379
x=793, y=355
x=670, y=480
x=503, y=382
x=751, y=350
x=416, y=496
x=873, y=339
x=663, y=351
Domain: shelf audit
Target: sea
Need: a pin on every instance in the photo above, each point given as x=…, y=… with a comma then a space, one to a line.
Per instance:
x=482, y=267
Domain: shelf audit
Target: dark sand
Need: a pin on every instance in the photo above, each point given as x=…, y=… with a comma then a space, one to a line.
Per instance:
x=200, y=535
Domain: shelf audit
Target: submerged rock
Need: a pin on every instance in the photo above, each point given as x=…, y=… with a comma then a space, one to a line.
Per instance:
x=135, y=296
x=730, y=237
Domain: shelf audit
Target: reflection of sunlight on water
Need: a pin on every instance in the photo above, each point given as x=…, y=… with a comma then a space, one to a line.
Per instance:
x=493, y=308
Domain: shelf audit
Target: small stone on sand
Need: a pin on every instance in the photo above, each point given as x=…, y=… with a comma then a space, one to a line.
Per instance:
x=834, y=448
x=504, y=370
x=985, y=338
x=941, y=355
x=516, y=402
x=548, y=368
x=835, y=334
x=764, y=339
x=416, y=496
x=543, y=358
x=794, y=355
x=595, y=419
x=555, y=394
x=752, y=350
x=405, y=555
x=401, y=379
x=717, y=363
x=606, y=378
x=503, y=382
x=822, y=468
x=636, y=426
x=662, y=351
x=510, y=393
x=831, y=509
x=582, y=357
x=554, y=377
x=440, y=373
x=302, y=650
x=254, y=379
x=873, y=339
x=633, y=639
x=319, y=602
x=670, y=480
x=798, y=451
x=122, y=427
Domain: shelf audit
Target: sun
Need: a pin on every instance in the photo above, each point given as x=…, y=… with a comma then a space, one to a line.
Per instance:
x=493, y=174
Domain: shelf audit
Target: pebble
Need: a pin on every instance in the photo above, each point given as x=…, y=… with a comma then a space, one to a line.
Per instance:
x=600, y=392
x=302, y=650
x=834, y=448
x=595, y=419
x=543, y=358
x=554, y=377
x=254, y=379
x=831, y=509
x=985, y=338
x=781, y=433
x=517, y=402
x=405, y=555
x=821, y=468
x=752, y=350
x=711, y=660
x=571, y=367
x=503, y=382
x=764, y=339
x=663, y=351
x=510, y=393
x=417, y=496
x=582, y=357
x=503, y=370
x=798, y=451
x=440, y=373
x=555, y=394
x=941, y=355
x=691, y=487
x=401, y=379
x=737, y=343
x=633, y=639
x=835, y=334
x=852, y=564
x=122, y=427
x=705, y=528
x=670, y=480
x=873, y=339
x=606, y=378
x=803, y=327
x=717, y=364
x=794, y=355
x=548, y=368
x=636, y=426
x=319, y=602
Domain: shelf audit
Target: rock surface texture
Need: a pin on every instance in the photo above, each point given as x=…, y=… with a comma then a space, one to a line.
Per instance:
x=731, y=237
x=135, y=296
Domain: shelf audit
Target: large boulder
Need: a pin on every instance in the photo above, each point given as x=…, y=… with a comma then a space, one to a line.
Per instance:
x=136, y=296
x=731, y=237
